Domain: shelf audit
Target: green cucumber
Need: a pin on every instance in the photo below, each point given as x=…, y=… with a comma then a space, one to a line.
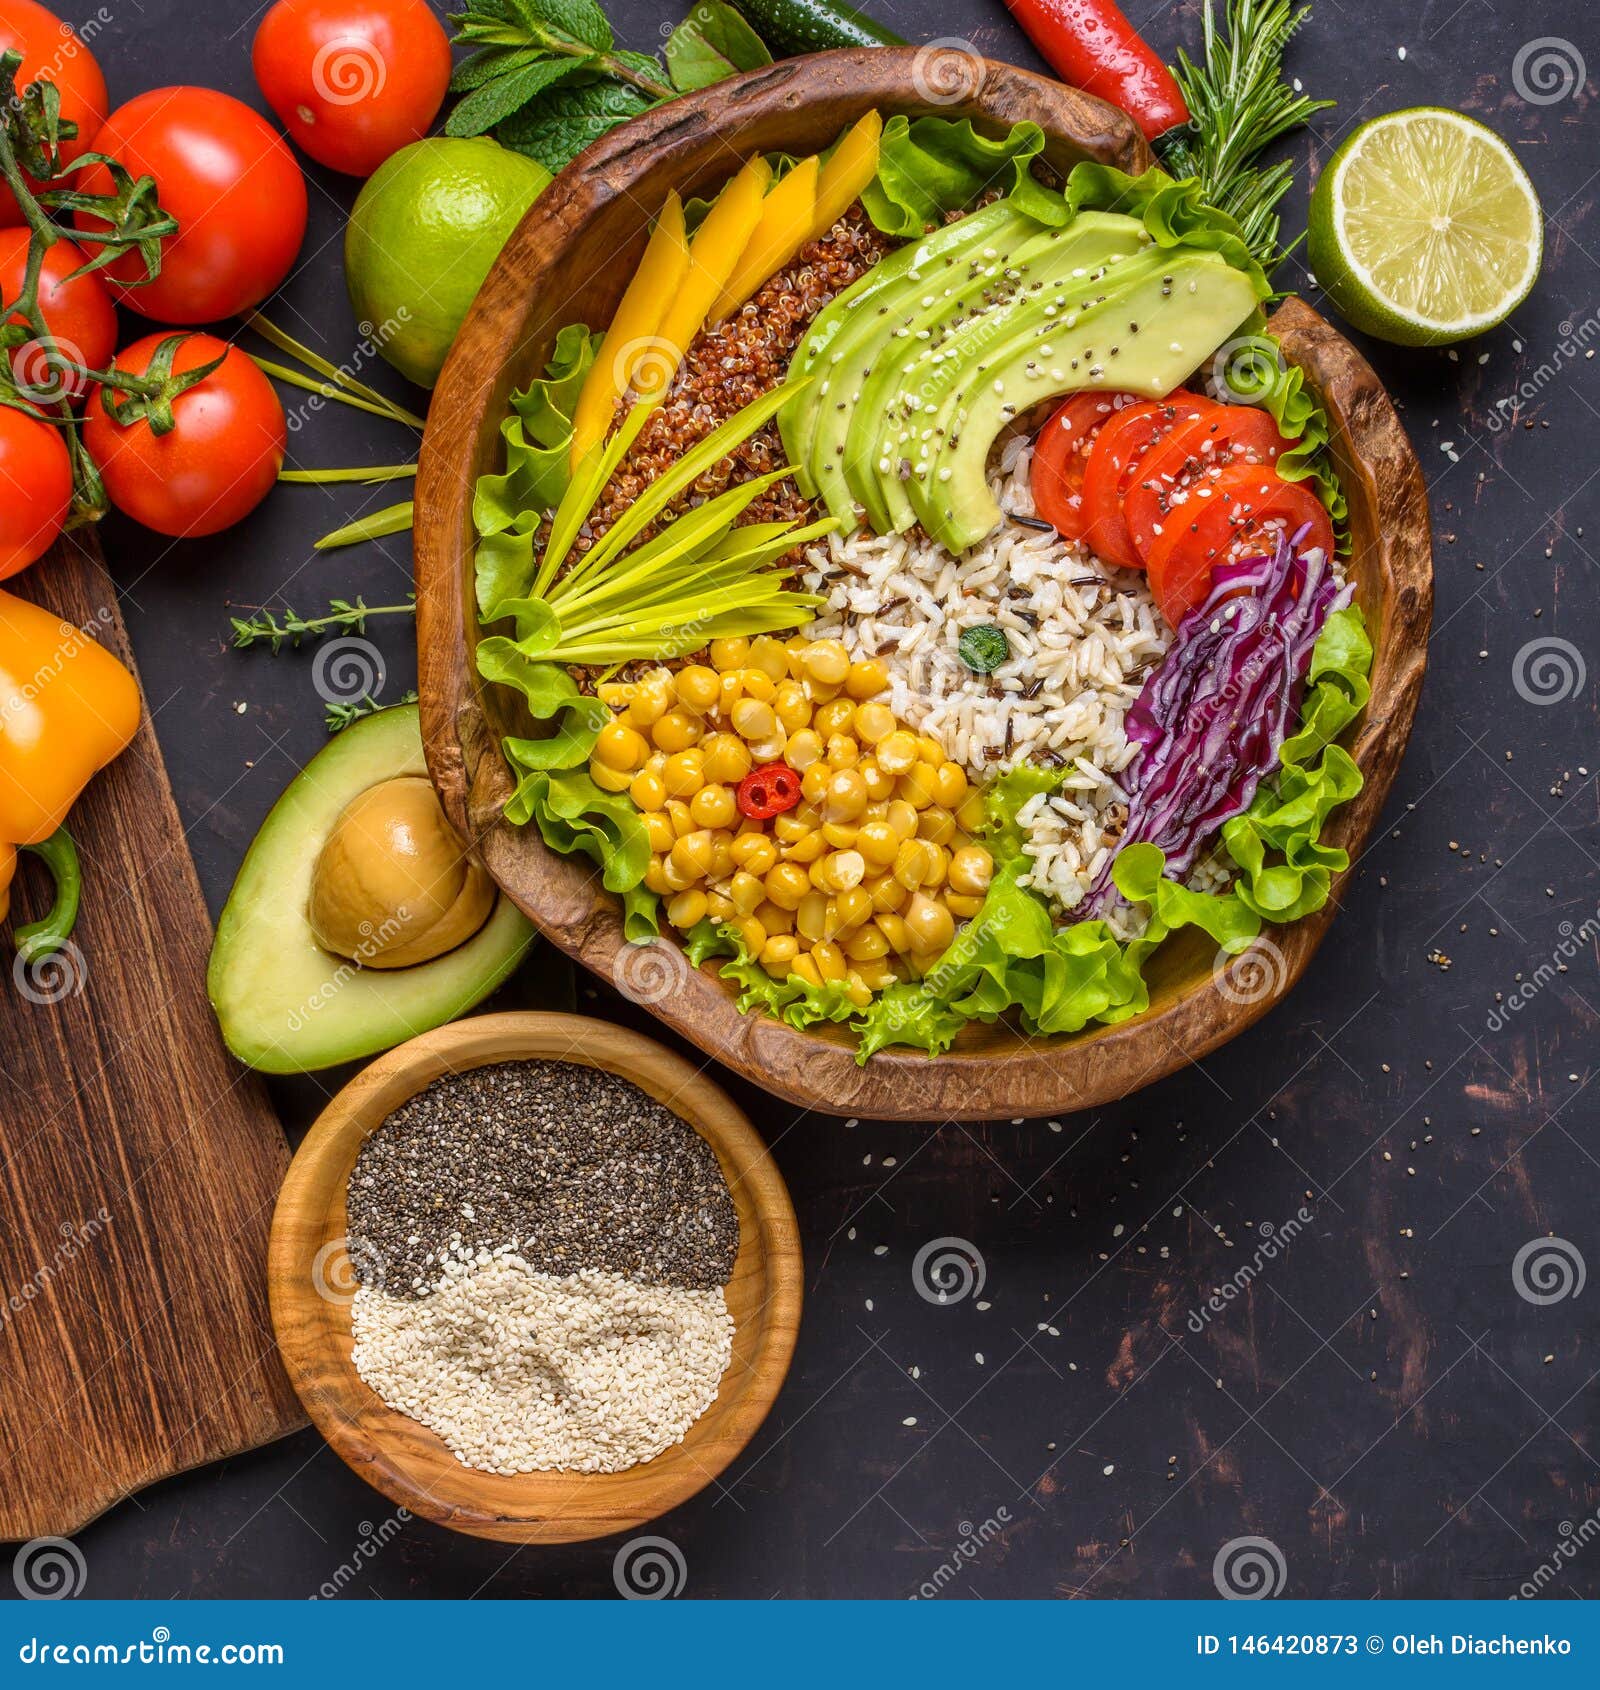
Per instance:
x=812, y=26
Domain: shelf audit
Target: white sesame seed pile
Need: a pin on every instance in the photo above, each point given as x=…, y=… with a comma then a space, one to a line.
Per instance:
x=521, y=1371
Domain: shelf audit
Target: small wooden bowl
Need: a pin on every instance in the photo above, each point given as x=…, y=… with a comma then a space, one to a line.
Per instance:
x=311, y=1285
x=568, y=261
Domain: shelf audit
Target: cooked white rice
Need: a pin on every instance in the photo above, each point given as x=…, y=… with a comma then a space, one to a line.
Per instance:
x=1083, y=633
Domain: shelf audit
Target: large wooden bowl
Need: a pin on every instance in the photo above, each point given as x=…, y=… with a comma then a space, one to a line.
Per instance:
x=311, y=1284
x=568, y=262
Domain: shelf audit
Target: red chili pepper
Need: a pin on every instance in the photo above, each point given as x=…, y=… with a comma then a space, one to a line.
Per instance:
x=768, y=791
x=1091, y=44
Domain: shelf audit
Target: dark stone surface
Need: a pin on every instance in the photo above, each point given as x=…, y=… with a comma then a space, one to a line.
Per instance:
x=1379, y=1401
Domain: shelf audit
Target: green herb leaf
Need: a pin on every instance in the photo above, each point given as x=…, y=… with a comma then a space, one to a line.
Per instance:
x=984, y=648
x=713, y=42
x=566, y=20
x=486, y=106
x=560, y=122
x=485, y=65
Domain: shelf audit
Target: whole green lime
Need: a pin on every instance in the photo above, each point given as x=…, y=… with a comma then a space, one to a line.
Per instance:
x=425, y=230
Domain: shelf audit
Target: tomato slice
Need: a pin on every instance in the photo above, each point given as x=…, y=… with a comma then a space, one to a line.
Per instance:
x=1237, y=513
x=1060, y=454
x=1115, y=457
x=1193, y=452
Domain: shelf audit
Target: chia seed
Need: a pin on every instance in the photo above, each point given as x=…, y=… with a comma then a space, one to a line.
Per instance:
x=570, y=1167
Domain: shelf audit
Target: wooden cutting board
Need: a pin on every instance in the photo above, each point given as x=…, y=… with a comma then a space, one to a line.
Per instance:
x=138, y=1162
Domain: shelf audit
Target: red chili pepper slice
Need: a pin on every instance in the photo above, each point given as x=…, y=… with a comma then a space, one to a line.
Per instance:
x=768, y=791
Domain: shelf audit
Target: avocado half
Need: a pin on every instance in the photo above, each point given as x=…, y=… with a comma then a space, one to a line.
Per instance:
x=285, y=1004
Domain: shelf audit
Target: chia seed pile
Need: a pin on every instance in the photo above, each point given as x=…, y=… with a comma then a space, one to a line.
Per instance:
x=542, y=1249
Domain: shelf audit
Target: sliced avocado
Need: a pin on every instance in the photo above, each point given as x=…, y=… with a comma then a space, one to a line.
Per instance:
x=1027, y=284
x=1154, y=319
x=848, y=331
x=285, y=1004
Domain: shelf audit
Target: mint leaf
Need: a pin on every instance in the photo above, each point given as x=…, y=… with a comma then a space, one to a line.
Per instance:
x=713, y=42
x=486, y=106
x=561, y=22
x=491, y=62
x=556, y=126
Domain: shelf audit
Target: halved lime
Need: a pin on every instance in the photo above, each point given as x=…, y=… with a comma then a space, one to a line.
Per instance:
x=1425, y=228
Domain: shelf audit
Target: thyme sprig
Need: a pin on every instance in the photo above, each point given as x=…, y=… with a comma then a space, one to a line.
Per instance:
x=277, y=628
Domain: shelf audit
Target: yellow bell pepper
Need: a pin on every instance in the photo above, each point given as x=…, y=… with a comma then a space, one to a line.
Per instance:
x=787, y=214
x=851, y=165
x=67, y=708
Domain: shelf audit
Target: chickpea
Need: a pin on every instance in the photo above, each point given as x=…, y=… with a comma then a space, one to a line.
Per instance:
x=843, y=752
x=938, y=868
x=676, y=731
x=972, y=812
x=867, y=945
x=897, y=751
x=745, y=892
x=684, y=774
x=755, y=852
x=770, y=749
x=732, y=690
x=930, y=924
x=651, y=700
x=758, y=684
x=725, y=758
x=618, y=694
x=811, y=916
x=937, y=825
x=845, y=796
x=678, y=814
x=874, y=722
x=841, y=871
x=775, y=918
x=619, y=747
x=713, y=806
x=648, y=790
x=792, y=706
x=658, y=830
x=952, y=784
x=804, y=749
x=829, y=960
x=753, y=934
x=753, y=720
x=691, y=856
x=687, y=908
x=919, y=786
x=769, y=656
x=971, y=870
x=786, y=885
x=913, y=863
x=866, y=678
x=729, y=653
x=789, y=828
x=655, y=878
x=839, y=836
x=814, y=783
x=826, y=661
x=848, y=911
x=677, y=880
x=888, y=894
x=721, y=854
x=874, y=976
x=963, y=906
x=902, y=818
x=610, y=780
x=894, y=930
x=719, y=907
x=794, y=650
x=806, y=850
x=930, y=750
x=778, y=953
x=878, y=843
x=806, y=969
x=835, y=717
x=880, y=783
x=698, y=687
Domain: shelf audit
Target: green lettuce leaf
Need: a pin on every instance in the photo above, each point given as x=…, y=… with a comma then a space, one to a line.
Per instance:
x=934, y=165
x=713, y=42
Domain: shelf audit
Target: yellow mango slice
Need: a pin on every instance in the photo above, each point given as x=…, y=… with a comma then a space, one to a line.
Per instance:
x=715, y=249
x=853, y=164
x=638, y=318
x=787, y=214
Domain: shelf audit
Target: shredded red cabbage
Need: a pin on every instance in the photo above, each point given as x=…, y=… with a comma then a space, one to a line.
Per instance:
x=1213, y=715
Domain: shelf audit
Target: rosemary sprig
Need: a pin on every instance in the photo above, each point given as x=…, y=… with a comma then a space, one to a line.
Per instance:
x=288, y=627
x=340, y=715
x=1239, y=105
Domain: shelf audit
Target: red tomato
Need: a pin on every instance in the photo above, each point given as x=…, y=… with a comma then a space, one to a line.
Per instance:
x=79, y=315
x=1197, y=449
x=35, y=488
x=52, y=52
x=1118, y=451
x=219, y=461
x=1060, y=454
x=353, y=80
x=233, y=186
x=1237, y=514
